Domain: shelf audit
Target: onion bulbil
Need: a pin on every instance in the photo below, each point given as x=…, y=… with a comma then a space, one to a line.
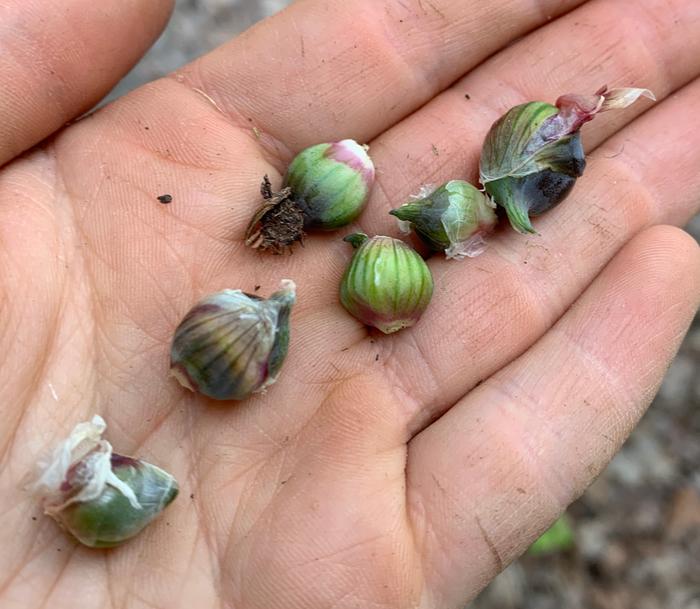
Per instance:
x=387, y=284
x=532, y=155
x=325, y=188
x=232, y=344
x=453, y=218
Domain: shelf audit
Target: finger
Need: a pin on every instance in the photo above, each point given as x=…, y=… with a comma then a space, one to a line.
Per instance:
x=656, y=45
x=491, y=474
x=493, y=307
x=323, y=69
x=58, y=58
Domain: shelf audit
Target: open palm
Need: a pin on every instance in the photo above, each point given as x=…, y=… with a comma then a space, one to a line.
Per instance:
x=380, y=471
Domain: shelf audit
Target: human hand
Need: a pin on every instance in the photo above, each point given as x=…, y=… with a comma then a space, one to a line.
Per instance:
x=395, y=471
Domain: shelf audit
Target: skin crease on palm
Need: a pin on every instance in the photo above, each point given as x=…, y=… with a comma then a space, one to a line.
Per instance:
x=404, y=481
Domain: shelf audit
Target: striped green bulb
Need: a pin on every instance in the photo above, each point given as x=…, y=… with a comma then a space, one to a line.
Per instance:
x=326, y=187
x=330, y=183
x=387, y=285
x=232, y=344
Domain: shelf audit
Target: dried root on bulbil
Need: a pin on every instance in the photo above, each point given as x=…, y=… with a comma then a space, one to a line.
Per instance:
x=278, y=223
x=326, y=187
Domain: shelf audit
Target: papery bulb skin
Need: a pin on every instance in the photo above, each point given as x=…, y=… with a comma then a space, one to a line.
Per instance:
x=532, y=155
x=232, y=344
x=111, y=519
x=453, y=218
x=100, y=497
x=326, y=187
x=387, y=285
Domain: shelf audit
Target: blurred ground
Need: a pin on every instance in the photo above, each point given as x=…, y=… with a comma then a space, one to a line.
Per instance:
x=196, y=27
x=638, y=526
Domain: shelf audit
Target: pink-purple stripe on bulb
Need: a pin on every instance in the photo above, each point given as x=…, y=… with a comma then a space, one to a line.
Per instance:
x=354, y=156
